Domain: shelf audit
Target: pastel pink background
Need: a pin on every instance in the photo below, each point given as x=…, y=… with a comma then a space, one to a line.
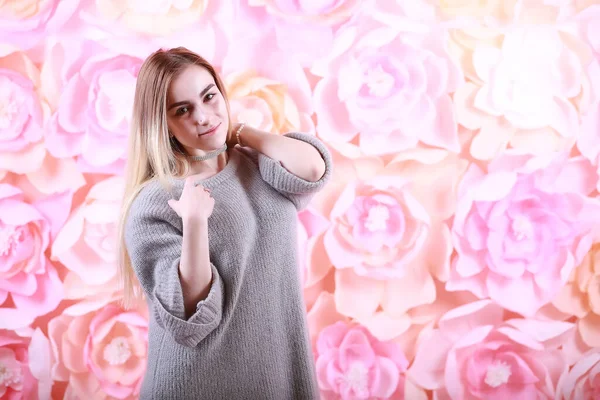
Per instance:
x=454, y=255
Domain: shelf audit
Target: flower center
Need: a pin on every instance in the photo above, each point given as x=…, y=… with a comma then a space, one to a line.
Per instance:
x=497, y=374
x=8, y=110
x=9, y=376
x=377, y=218
x=522, y=228
x=380, y=83
x=117, y=352
x=10, y=237
x=357, y=378
x=101, y=238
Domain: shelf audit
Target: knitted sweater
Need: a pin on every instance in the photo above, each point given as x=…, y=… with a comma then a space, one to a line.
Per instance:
x=249, y=338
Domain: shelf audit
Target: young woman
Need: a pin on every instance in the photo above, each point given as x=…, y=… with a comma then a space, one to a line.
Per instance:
x=208, y=232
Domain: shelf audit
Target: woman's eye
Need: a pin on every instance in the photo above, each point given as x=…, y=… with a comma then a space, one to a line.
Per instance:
x=181, y=111
x=209, y=96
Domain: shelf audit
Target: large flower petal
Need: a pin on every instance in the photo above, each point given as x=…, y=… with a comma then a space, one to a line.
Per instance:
x=357, y=297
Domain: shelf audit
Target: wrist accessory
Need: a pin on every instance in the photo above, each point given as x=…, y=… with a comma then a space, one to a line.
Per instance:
x=237, y=133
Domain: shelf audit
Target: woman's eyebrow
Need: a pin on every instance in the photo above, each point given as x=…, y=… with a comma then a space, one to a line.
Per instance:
x=180, y=103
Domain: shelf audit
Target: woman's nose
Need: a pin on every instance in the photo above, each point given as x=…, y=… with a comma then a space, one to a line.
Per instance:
x=200, y=116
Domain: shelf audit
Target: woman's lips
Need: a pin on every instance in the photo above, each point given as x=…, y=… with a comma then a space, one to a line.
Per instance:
x=210, y=131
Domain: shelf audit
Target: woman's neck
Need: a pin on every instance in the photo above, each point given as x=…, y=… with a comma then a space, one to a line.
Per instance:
x=211, y=166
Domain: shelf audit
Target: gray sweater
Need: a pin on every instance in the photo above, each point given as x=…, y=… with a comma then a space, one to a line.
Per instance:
x=249, y=338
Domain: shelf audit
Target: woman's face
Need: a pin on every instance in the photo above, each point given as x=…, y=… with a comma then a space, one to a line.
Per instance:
x=196, y=111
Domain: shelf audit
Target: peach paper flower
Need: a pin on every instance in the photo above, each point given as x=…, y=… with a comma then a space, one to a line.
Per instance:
x=86, y=246
x=450, y=9
x=24, y=366
x=527, y=89
x=475, y=355
x=159, y=18
x=21, y=115
x=520, y=229
x=588, y=142
x=102, y=354
x=265, y=103
x=392, y=88
x=26, y=274
x=310, y=224
x=266, y=86
x=582, y=382
x=580, y=296
x=503, y=12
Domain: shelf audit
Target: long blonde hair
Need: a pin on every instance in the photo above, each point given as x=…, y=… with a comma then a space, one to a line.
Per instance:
x=152, y=154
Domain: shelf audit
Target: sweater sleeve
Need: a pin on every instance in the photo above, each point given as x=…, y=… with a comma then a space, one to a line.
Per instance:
x=154, y=246
x=296, y=189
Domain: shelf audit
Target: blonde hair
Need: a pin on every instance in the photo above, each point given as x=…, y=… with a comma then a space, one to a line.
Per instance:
x=152, y=154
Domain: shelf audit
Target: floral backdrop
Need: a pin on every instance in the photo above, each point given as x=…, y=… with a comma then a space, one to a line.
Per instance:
x=454, y=255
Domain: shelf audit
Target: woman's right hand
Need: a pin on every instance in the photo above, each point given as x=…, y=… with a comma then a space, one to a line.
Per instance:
x=195, y=203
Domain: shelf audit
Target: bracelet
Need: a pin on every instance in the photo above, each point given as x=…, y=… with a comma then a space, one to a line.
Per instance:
x=237, y=133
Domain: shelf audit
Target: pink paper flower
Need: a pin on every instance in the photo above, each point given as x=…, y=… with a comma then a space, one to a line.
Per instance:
x=297, y=25
x=93, y=114
x=86, y=246
x=377, y=228
x=26, y=275
x=475, y=355
x=589, y=20
x=21, y=120
x=294, y=27
x=520, y=229
x=325, y=12
x=138, y=28
x=585, y=16
x=352, y=364
x=391, y=88
x=376, y=242
x=24, y=366
x=22, y=115
x=102, y=354
x=582, y=382
x=386, y=237
x=22, y=26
